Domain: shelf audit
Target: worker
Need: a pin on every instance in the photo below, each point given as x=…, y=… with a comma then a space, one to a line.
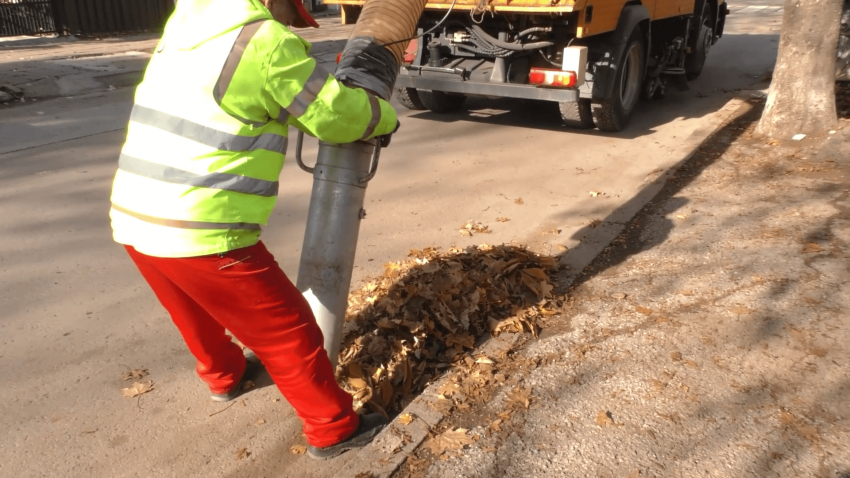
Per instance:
x=198, y=177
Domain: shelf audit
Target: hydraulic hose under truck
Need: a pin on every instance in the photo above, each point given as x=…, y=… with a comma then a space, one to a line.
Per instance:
x=371, y=61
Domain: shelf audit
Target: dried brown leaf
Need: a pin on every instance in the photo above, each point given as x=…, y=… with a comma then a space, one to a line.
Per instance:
x=643, y=310
x=137, y=389
x=502, y=219
x=405, y=419
x=134, y=374
x=297, y=449
x=519, y=398
x=261, y=422
x=449, y=440
x=811, y=247
x=242, y=453
x=603, y=419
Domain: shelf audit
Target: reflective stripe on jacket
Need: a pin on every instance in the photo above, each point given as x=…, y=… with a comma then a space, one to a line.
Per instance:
x=198, y=173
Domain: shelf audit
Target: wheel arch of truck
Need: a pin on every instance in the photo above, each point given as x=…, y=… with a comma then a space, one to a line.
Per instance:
x=717, y=15
x=604, y=74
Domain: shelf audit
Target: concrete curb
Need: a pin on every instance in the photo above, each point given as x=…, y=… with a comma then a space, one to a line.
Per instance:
x=16, y=42
x=388, y=451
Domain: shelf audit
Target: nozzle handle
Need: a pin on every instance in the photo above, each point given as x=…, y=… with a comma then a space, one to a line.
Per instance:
x=299, y=144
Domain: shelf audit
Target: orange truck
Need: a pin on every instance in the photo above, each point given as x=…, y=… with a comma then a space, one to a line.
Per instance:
x=595, y=58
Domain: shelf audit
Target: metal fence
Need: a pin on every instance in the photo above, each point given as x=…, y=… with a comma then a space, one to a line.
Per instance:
x=25, y=17
x=88, y=17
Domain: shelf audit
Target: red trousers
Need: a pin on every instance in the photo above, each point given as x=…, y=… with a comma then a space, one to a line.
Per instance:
x=246, y=292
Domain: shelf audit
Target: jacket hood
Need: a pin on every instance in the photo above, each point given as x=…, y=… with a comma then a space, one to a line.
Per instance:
x=197, y=21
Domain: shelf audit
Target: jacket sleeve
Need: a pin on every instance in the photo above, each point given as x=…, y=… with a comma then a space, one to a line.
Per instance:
x=297, y=88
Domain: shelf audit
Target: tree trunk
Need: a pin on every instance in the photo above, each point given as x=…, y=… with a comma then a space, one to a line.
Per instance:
x=801, y=98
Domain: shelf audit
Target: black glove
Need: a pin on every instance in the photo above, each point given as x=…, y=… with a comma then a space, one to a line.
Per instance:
x=385, y=139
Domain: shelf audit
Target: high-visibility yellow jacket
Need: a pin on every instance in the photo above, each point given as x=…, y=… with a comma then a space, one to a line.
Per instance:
x=199, y=171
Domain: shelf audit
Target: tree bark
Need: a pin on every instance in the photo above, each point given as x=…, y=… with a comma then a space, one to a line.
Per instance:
x=801, y=98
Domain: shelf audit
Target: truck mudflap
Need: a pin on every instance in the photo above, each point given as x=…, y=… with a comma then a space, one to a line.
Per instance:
x=472, y=77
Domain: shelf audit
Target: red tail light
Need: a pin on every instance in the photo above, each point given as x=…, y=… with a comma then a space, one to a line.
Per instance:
x=552, y=77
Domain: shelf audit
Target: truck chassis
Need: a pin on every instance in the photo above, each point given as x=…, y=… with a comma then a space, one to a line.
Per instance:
x=487, y=51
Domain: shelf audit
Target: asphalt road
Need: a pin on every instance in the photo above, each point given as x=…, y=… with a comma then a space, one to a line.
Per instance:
x=76, y=314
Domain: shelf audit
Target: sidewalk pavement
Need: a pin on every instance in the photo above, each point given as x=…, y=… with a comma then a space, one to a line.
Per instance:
x=709, y=339
x=33, y=69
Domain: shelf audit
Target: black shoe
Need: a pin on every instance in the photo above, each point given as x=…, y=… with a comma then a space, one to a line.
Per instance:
x=370, y=425
x=253, y=367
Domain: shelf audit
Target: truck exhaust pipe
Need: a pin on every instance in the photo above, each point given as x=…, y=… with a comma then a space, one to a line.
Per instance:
x=371, y=61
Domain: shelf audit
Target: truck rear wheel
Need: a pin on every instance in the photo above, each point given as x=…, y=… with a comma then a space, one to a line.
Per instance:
x=577, y=114
x=613, y=114
x=695, y=60
x=409, y=98
x=440, y=101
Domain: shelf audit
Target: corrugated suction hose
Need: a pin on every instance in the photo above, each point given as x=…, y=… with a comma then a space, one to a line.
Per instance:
x=374, y=52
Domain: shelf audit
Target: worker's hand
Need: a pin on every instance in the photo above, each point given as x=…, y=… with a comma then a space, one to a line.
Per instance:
x=385, y=139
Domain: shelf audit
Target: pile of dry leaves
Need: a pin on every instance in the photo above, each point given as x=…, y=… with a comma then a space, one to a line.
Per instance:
x=424, y=315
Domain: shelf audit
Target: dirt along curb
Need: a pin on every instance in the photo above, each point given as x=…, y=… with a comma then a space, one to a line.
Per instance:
x=417, y=421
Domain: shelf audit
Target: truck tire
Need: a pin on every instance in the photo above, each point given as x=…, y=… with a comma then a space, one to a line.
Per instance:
x=409, y=98
x=577, y=114
x=613, y=114
x=440, y=101
x=695, y=61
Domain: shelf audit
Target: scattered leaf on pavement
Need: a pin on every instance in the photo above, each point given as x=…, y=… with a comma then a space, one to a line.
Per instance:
x=242, y=453
x=519, y=398
x=405, y=419
x=473, y=227
x=643, y=310
x=502, y=219
x=137, y=389
x=449, y=440
x=134, y=374
x=603, y=419
x=812, y=247
x=297, y=449
x=519, y=201
x=261, y=422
